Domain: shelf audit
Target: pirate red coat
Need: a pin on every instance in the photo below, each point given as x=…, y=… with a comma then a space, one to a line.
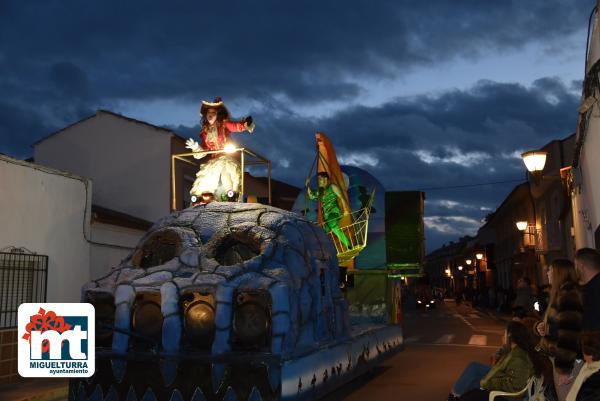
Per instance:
x=215, y=138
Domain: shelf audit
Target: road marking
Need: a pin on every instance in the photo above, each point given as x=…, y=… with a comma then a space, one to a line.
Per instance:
x=478, y=339
x=461, y=317
x=445, y=339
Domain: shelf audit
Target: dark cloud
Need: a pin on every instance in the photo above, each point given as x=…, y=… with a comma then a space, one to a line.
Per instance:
x=69, y=80
x=307, y=51
x=59, y=61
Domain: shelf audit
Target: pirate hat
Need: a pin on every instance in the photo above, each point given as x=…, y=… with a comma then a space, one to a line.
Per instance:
x=222, y=112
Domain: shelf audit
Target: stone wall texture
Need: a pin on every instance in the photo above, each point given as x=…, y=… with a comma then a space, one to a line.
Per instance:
x=222, y=248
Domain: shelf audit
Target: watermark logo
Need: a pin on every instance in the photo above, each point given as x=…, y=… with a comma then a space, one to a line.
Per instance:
x=56, y=340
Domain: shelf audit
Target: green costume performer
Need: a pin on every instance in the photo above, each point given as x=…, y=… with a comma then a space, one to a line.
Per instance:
x=328, y=196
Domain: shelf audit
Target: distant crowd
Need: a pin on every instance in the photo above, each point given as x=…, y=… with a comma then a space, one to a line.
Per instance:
x=551, y=346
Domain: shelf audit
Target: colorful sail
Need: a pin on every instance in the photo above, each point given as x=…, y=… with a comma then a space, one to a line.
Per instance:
x=327, y=162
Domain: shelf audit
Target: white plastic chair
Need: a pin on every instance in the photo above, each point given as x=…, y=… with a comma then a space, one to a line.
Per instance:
x=533, y=391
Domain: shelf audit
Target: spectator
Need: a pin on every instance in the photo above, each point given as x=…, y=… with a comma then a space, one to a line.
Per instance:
x=587, y=266
x=562, y=324
x=587, y=384
x=524, y=295
x=544, y=297
x=492, y=297
x=510, y=373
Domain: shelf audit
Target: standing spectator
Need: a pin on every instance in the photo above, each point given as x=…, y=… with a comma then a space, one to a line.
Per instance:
x=501, y=296
x=561, y=327
x=524, y=295
x=587, y=265
x=492, y=296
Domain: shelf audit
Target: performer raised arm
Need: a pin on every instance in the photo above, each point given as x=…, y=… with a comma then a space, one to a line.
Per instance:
x=220, y=175
x=330, y=198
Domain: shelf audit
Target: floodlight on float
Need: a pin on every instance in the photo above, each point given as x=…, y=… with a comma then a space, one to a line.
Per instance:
x=534, y=160
x=229, y=148
x=521, y=225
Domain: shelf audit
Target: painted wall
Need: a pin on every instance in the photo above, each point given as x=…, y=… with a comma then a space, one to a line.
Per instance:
x=47, y=211
x=586, y=175
x=110, y=244
x=129, y=162
x=588, y=210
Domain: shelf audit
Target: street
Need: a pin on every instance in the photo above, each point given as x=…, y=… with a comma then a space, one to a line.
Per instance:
x=439, y=344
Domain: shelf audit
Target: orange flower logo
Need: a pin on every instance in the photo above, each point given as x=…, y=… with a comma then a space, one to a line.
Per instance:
x=44, y=321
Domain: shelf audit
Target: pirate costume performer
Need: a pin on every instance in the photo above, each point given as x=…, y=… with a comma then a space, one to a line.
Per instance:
x=221, y=174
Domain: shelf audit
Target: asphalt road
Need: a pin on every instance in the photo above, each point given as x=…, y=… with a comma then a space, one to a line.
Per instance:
x=439, y=344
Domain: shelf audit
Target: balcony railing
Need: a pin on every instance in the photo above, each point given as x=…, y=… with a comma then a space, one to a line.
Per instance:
x=533, y=238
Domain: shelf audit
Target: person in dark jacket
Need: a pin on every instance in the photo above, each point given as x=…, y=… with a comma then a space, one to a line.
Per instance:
x=587, y=266
x=562, y=325
x=586, y=386
x=524, y=298
x=563, y=319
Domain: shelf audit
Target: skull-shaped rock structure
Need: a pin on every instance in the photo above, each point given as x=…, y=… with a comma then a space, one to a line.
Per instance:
x=223, y=278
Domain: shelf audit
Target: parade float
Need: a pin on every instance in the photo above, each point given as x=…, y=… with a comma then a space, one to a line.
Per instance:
x=233, y=301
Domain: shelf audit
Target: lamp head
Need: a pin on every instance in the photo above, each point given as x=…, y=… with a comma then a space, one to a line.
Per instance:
x=521, y=225
x=534, y=160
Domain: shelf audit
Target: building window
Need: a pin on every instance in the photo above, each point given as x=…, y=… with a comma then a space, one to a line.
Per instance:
x=23, y=278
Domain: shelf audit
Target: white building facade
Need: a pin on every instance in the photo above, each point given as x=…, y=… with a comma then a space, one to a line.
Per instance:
x=584, y=178
x=129, y=162
x=47, y=212
x=44, y=248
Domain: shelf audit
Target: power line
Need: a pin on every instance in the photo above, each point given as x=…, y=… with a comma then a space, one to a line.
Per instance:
x=469, y=185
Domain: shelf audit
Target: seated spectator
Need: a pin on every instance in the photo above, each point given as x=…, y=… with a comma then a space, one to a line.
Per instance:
x=586, y=386
x=510, y=373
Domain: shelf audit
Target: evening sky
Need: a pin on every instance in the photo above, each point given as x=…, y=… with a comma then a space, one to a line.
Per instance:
x=422, y=94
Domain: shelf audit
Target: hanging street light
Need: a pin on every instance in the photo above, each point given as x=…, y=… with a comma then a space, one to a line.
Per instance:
x=479, y=256
x=521, y=225
x=534, y=160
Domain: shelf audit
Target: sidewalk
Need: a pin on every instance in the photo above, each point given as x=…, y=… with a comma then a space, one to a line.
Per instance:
x=35, y=390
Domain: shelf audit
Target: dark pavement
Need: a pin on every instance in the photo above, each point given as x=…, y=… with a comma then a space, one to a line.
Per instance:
x=439, y=344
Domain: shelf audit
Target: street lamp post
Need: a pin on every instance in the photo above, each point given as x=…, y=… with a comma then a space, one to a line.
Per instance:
x=534, y=161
